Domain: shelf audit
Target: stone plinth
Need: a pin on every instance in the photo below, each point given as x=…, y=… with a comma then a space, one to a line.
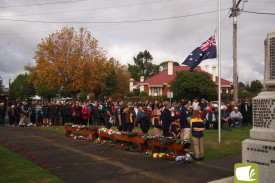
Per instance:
x=264, y=117
x=262, y=153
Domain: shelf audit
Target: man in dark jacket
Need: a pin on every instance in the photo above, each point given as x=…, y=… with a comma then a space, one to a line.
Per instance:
x=144, y=120
x=54, y=110
x=166, y=119
x=67, y=113
x=184, y=123
x=246, y=111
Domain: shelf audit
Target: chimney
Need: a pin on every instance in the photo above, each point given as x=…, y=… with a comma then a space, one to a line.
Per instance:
x=207, y=68
x=170, y=68
x=141, y=78
x=131, y=85
x=214, y=73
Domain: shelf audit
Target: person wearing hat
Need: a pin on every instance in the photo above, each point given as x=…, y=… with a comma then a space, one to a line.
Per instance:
x=12, y=115
x=236, y=117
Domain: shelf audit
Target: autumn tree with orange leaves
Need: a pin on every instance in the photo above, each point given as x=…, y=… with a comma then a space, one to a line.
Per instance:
x=71, y=60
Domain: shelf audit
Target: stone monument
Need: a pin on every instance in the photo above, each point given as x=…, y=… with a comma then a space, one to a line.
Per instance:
x=260, y=148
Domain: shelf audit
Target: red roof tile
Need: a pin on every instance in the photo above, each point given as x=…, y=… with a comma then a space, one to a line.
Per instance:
x=163, y=77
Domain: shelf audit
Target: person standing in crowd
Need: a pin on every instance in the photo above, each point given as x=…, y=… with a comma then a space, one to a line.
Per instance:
x=33, y=114
x=204, y=114
x=175, y=127
x=39, y=116
x=100, y=115
x=198, y=127
x=67, y=113
x=79, y=113
x=157, y=124
x=124, y=118
x=108, y=113
x=184, y=123
x=24, y=114
x=73, y=119
x=54, y=112
x=90, y=107
x=85, y=115
x=118, y=115
x=144, y=120
x=195, y=104
x=236, y=117
x=46, y=113
x=166, y=119
x=246, y=112
x=94, y=114
x=175, y=105
x=2, y=114
x=203, y=104
x=212, y=118
x=17, y=113
x=225, y=115
x=130, y=119
x=59, y=113
x=12, y=115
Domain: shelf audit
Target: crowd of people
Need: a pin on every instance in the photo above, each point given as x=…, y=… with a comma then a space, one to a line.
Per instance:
x=176, y=120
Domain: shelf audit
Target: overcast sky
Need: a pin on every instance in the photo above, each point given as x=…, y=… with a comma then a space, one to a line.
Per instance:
x=168, y=29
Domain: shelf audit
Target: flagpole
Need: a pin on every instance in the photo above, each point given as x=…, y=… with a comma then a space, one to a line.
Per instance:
x=219, y=66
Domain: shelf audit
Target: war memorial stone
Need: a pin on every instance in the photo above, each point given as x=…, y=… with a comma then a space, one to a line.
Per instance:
x=260, y=148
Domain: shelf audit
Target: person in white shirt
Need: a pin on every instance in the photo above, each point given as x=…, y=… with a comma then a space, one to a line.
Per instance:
x=236, y=117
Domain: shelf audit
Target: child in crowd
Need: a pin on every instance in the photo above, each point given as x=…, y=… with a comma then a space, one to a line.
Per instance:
x=175, y=127
x=157, y=123
x=197, y=126
x=132, y=116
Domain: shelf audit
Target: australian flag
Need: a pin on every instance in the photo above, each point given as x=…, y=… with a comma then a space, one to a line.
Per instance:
x=206, y=50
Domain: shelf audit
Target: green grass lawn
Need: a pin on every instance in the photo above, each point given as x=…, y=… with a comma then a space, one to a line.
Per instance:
x=231, y=141
x=16, y=169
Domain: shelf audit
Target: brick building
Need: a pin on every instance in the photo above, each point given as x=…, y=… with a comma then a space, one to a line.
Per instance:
x=159, y=84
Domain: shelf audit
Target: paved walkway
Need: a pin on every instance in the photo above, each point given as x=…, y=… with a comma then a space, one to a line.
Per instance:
x=80, y=161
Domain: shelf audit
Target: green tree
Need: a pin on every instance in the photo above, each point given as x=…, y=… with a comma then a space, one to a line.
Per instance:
x=164, y=65
x=143, y=66
x=21, y=88
x=47, y=93
x=190, y=85
x=256, y=86
x=242, y=87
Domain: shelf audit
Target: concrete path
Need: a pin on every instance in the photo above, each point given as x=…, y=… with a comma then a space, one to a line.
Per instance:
x=80, y=161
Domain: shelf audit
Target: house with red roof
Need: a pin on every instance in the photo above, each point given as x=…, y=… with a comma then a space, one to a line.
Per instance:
x=159, y=84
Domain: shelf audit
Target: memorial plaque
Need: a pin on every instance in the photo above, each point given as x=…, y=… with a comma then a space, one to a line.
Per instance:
x=262, y=153
x=264, y=116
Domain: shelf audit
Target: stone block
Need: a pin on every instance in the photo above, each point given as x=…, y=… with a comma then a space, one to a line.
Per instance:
x=262, y=153
x=264, y=116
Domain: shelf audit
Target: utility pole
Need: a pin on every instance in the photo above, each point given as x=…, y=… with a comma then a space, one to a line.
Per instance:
x=234, y=14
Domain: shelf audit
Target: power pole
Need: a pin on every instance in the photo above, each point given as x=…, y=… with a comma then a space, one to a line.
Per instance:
x=234, y=14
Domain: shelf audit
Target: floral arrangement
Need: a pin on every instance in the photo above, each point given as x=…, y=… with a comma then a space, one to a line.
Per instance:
x=76, y=137
x=125, y=147
x=129, y=134
x=184, y=159
x=166, y=156
x=105, y=130
x=82, y=127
